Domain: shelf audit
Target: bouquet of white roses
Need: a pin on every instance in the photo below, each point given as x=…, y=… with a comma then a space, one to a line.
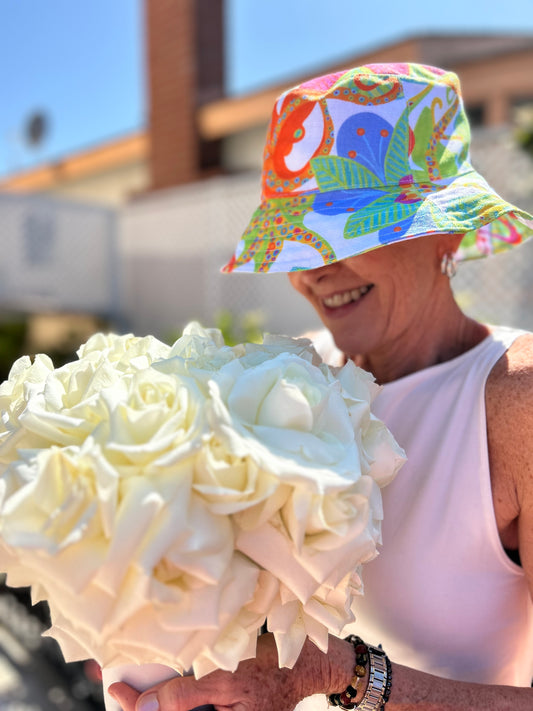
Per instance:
x=167, y=501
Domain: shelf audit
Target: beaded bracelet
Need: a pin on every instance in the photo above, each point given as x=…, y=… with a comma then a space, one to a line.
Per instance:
x=379, y=679
x=346, y=698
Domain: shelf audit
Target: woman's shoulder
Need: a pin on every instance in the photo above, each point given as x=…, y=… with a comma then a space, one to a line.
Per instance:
x=511, y=379
x=508, y=397
x=509, y=390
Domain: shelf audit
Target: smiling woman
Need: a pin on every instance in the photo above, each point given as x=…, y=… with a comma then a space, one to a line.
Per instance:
x=387, y=301
x=368, y=196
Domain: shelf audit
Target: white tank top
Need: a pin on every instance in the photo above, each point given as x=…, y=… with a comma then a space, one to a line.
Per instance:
x=443, y=596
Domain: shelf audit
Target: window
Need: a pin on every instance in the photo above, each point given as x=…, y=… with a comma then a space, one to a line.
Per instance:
x=522, y=112
x=522, y=121
x=476, y=115
x=39, y=239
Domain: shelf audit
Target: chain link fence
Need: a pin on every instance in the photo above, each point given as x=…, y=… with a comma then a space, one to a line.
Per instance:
x=499, y=290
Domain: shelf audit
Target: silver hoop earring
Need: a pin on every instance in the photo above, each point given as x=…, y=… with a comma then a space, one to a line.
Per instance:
x=448, y=265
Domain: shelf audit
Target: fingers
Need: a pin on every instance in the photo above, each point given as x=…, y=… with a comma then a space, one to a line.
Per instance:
x=250, y=688
x=124, y=695
x=178, y=694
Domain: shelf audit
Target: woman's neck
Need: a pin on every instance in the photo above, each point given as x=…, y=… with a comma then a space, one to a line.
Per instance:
x=441, y=341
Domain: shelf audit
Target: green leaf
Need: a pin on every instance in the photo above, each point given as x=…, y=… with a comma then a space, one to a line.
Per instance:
x=396, y=160
x=462, y=131
x=423, y=133
x=336, y=173
x=384, y=213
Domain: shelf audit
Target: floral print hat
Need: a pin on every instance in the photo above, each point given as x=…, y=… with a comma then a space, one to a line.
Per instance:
x=358, y=159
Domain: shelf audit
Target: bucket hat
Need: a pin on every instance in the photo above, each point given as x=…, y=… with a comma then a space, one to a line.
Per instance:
x=362, y=158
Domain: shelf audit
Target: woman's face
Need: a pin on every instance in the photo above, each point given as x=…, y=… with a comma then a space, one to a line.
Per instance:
x=370, y=301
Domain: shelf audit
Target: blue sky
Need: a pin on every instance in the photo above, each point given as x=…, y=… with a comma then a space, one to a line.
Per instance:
x=82, y=63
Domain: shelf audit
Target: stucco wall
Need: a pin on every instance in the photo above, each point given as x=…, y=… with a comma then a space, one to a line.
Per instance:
x=172, y=246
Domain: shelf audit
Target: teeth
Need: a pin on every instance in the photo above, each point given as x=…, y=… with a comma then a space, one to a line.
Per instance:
x=337, y=300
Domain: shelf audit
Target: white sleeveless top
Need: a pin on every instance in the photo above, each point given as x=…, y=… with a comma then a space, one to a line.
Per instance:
x=443, y=596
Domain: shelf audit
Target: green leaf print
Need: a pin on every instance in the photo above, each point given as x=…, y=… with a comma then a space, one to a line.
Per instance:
x=336, y=173
x=465, y=214
x=423, y=132
x=385, y=214
x=461, y=132
x=396, y=160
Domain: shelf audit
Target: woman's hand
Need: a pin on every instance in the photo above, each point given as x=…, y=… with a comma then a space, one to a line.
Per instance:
x=257, y=685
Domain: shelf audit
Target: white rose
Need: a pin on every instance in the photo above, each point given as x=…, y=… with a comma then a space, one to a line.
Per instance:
x=126, y=352
x=66, y=498
x=203, y=628
x=198, y=353
x=42, y=406
x=273, y=345
x=26, y=379
x=195, y=339
x=150, y=414
x=286, y=414
x=231, y=483
x=69, y=406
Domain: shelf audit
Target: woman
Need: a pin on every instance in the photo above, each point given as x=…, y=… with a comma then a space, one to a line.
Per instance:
x=368, y=194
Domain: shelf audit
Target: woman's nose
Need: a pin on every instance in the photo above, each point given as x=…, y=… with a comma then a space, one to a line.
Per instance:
x=313, y=276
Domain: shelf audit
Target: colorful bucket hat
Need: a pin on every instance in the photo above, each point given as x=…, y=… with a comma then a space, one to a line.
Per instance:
x=358, y=159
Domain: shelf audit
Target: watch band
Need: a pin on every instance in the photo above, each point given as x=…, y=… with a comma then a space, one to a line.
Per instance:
x=379, y=683
x=378, y=678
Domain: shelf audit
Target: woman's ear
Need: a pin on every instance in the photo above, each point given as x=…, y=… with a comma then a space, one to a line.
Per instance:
x=449, y=243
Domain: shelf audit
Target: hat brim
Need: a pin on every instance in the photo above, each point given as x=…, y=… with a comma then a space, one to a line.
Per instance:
x=315, y=228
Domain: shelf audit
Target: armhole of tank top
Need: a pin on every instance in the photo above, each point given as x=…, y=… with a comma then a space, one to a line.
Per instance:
x=486, y=482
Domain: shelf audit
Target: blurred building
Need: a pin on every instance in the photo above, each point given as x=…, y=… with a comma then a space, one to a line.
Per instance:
x=179, y=192
x=109, y=173
x=131, y=233
x=194, y=131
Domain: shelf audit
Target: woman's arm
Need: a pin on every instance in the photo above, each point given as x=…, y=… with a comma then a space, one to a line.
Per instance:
x=259, y=685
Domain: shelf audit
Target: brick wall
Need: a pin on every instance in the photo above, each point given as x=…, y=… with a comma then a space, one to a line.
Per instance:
x=184, y=66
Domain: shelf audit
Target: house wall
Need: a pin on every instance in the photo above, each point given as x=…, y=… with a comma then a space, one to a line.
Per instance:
x=497, y=83
x=58, y=256
x=173, y=244
x=110, y=187
x=108, y=173
x=243, y=151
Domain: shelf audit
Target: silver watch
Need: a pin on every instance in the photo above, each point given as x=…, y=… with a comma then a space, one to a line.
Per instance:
x=378, y=676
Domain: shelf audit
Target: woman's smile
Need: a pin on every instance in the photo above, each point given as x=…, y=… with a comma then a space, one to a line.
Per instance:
x=342, y=298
